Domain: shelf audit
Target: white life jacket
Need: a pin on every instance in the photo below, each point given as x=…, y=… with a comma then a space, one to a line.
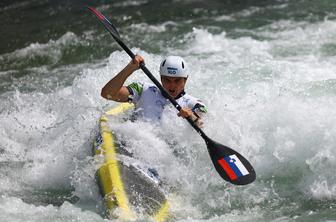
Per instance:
x=150, y=103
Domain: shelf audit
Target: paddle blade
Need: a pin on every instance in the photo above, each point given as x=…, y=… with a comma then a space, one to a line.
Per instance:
x=107, y=24
x=230, y=165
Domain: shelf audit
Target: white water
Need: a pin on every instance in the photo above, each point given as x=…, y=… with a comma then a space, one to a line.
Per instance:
x=271, y=100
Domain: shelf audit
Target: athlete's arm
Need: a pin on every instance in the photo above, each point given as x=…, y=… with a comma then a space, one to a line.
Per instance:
x=114, y=89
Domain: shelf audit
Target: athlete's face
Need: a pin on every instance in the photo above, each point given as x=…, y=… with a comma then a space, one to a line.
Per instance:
x=173, y=85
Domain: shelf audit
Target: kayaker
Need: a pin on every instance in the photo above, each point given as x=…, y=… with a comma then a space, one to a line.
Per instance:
x=147, y=98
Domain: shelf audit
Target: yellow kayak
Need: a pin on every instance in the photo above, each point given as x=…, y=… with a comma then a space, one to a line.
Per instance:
x=130, y=192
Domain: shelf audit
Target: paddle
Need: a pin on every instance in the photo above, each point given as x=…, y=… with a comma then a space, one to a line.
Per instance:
x=230, y=165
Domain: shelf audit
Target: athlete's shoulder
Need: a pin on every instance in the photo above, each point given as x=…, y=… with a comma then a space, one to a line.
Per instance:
x=195, y=103
x=139, y=87
x=192, y=99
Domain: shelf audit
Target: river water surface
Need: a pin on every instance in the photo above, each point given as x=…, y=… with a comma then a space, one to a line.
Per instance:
x=266, y=70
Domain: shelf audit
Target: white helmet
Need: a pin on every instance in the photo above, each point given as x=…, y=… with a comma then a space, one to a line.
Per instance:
x=173, y=66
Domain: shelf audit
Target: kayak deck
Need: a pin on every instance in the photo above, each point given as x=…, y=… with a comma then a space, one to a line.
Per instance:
x=129, y=191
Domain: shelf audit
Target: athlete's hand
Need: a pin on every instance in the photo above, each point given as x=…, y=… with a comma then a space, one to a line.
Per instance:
x=135, y=63
x=185, y=113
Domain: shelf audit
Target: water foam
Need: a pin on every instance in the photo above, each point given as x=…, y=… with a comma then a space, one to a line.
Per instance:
x=269, y=99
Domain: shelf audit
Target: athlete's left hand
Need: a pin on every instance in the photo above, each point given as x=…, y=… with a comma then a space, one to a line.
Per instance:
x=186, y=112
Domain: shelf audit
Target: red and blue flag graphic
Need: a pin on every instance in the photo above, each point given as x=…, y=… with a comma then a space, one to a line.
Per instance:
x=233, y=167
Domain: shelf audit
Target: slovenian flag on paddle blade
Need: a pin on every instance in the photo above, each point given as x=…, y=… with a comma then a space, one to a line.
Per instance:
x=233, y=167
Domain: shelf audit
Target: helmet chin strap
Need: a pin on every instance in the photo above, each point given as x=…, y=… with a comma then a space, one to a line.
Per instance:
x=180, y=94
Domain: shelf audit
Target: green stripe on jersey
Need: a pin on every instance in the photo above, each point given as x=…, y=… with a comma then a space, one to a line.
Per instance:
x=137, y=87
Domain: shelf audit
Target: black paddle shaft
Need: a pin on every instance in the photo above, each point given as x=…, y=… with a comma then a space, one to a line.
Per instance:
x=229, y=164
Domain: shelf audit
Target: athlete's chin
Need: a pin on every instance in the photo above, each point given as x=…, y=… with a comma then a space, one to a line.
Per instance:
x=173, y=95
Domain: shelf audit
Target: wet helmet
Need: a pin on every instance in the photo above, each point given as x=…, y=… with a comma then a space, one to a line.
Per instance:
x=173, y=66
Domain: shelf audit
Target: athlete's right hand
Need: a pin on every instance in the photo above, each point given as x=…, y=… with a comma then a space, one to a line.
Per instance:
x=135, y=63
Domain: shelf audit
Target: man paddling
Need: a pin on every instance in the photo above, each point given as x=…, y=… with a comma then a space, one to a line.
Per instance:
x=148, y=100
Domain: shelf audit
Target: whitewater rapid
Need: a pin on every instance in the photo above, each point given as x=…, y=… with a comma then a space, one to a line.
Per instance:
x=270, y=95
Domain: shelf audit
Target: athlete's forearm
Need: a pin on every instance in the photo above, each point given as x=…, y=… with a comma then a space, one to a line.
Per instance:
x=112, y=88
